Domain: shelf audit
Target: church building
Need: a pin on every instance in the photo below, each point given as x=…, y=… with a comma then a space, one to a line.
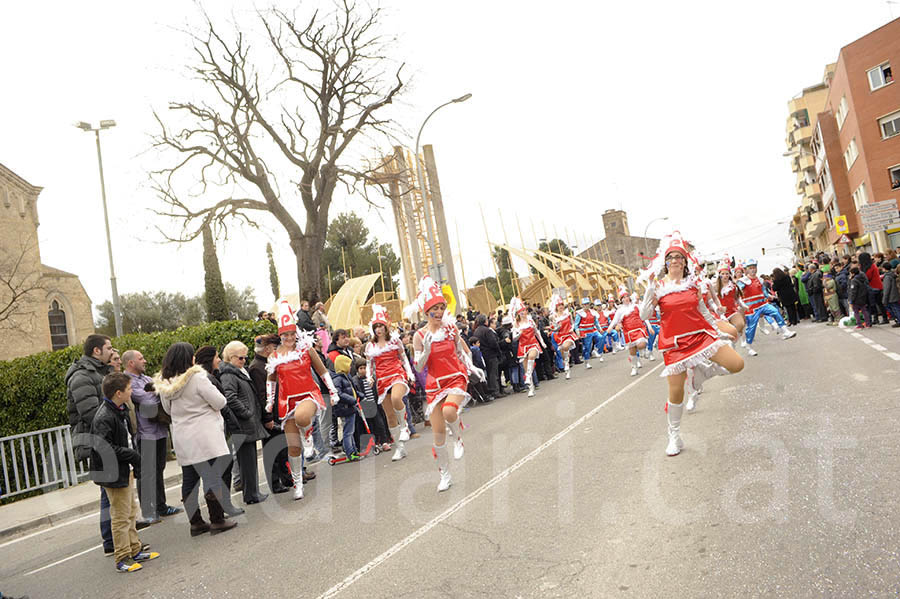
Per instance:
x=41, y=308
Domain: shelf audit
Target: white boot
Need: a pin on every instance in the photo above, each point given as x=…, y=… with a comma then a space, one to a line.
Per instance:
x=443, y=464
x=787, y=333
x=400, y=452
x=404, y=427
x=567, y=367
x=743, y=341
x=751, y=351
x=633, y=366
x=639, y=365
x=530, y=389
x=651, y=358
x=675, y=444
x=458, y=448
x=529, y=368
x=587, y=365
x=296, y=463
x=309, y=449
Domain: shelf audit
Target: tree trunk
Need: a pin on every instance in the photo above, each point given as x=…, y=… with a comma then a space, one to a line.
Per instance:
x=308, y=251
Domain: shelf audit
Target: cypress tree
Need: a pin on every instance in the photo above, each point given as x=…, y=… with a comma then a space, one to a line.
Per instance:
x=273, y=274
x=216, y=306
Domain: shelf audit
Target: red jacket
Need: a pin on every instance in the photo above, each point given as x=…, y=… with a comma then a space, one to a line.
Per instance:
x=874, y=277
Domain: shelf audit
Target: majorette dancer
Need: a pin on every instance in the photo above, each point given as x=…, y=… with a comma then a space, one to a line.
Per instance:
x=587, y=323
x=530, y=342
x=686, y=339
x=757, y=301
x=387, y=364
x=565, y=338
x=602, y=323
x=634, y=329
x=729, y=295
x=440, y=348
x=299, y=399
x=715, y=308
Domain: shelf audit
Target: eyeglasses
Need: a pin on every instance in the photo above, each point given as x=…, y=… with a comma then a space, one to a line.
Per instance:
x=675, y=258
x=241, y=358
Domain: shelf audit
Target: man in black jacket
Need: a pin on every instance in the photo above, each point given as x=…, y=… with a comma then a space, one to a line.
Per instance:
x=816, y=290
x=275, y=446
x=490, y=350
x=111, y=461
x=84, y=392
x=304, y=320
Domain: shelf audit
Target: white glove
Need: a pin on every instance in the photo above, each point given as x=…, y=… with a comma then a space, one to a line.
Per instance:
x=478, y=374
x=270, y=395
x=335, y=398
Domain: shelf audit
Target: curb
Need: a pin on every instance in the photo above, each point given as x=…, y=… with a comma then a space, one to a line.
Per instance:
x=57, y=517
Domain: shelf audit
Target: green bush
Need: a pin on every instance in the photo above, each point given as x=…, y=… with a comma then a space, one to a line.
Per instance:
x=33, y=389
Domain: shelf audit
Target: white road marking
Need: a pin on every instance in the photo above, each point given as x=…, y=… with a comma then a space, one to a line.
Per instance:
x=876, y=346
x=65, y=559
x=344, y=584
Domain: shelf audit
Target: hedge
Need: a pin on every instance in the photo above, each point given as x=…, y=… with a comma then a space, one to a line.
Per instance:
x=33, y=388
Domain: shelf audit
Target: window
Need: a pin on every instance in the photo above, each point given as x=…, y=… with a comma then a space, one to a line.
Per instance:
x=880, y=76
x=890, y=125
x=851, y=153
x=859, y=196
x=841, y=113
x=59, y=333
x=894, y=173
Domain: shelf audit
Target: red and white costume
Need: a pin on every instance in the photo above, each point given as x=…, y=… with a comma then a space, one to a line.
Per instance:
x=293, y=369
x=563, y=329
x=447, y=374
x=295, y=378
x=728, y=298
x=633, y=326
x=387, y=364
x=526, y=332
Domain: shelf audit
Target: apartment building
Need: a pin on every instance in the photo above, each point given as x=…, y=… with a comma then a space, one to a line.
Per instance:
x=864, y=105
x=808, y=224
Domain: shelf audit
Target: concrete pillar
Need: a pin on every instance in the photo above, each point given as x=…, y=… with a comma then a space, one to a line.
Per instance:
x=437, y=205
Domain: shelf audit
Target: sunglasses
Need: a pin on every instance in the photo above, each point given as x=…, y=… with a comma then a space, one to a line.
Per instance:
x=241, y=358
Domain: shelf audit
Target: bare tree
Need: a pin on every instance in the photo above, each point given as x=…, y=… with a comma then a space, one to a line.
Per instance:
x=21, y=283
x=281, y=131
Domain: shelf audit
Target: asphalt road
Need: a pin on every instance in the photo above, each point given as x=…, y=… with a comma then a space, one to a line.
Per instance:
x=787, y=487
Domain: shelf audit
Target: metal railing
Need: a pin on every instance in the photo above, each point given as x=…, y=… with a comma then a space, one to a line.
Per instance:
x=39, y=460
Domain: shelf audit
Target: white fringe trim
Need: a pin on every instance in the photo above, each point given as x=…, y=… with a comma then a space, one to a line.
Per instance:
x=667, y=288
x=372, y=350
x=693, y=361
x=443, y=395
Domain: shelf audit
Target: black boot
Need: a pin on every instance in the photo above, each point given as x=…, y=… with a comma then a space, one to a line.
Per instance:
x=198, y=524
x=218, y=523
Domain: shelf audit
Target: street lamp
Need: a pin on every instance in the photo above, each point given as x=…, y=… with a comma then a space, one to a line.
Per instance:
x=438, y=267
x=647, y=228
x=117, y=310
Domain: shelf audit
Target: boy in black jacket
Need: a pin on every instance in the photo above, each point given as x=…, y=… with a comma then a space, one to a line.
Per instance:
x=111, y=461
x=859, y=298
x=345, y=408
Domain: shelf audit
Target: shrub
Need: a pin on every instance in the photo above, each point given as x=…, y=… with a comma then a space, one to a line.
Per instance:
x=33, y=389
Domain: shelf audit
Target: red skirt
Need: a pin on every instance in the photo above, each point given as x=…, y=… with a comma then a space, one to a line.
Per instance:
x=563, y=337
x=689, y=351
x=437, y=389
x=632, y=336
x=387, y=383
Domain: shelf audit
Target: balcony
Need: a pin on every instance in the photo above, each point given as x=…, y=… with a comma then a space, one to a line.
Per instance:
x=812, y=190
x=801, y=135
x=806, y=162
x=796, y=105
x=816, y=225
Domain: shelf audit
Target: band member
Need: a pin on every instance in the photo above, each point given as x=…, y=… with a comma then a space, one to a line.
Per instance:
x=565, y=338
x=634, y=329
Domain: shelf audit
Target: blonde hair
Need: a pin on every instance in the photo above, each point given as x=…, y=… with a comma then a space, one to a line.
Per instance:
x=232, y=349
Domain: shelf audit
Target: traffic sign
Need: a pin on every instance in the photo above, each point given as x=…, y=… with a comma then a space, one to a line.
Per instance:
x=841, y=225
x=844, y=240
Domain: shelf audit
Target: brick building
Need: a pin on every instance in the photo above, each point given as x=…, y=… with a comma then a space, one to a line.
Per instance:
x=619, y=246
x=864, y=105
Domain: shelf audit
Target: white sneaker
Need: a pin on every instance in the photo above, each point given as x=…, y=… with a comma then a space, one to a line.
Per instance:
x=788, y=334
x=459, y=449
x=568, y=374
x=675, y=444
x=764, y=330
x=600, y=357
x=634, y=371
x=752, y=352
x=399, y=453
x=587, y=366
x=743, y=341
x=530, y=390
x=446, y=481
x=691, y=401
x=651, y=358
x=639, y=365
x=404, y=434
x=595, y=354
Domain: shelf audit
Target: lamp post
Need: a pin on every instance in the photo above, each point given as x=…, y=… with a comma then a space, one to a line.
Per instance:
x=438, y=268
x=647, y=228
x=117, y=309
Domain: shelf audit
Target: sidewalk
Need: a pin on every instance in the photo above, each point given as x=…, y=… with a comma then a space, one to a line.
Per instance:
x=53, y=507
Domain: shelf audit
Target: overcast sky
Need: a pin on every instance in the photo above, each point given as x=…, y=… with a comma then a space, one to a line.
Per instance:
x=659, y=108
